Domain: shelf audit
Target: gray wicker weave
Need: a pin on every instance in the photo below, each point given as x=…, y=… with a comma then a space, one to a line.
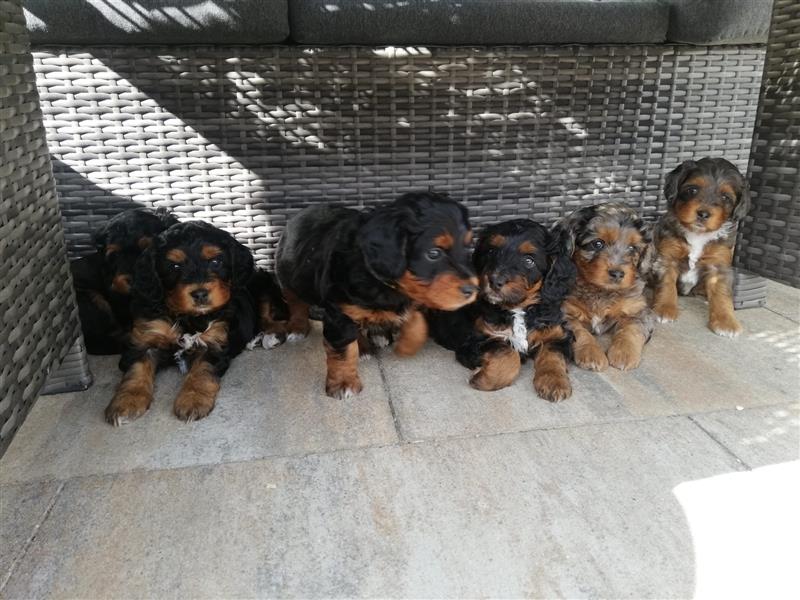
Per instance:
x=38, y=317
x=245, y=136
x=770, y=238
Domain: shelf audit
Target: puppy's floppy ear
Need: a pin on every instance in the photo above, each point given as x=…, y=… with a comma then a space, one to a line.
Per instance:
x=382, y=239
x=167, y=218
x=561, y=275
x=742, y=203
x=147, y=292
x=242, y=263
x=648, y=257
x=567, y=228
x=674, y=179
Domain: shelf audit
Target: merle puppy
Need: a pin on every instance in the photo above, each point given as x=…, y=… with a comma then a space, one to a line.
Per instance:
x=103, y=280
x=190, y=306
x=370, y=272
x=525, y=272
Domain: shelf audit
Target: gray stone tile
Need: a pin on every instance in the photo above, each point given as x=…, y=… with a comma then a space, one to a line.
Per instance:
x=272, y=402
x=783, y=299
x=432, y=398
x=758, y=436
x=571, y=512
x=686, y=369
x=22, y=508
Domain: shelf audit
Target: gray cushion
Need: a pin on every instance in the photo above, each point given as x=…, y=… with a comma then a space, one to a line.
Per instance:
x=719, y=21
x=479, y=22
x=157, y=21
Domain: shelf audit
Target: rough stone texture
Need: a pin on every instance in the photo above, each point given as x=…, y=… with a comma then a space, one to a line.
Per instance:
x=22, y=509
x=758, y=436
x=271, y=403
x=549, y=513
x=638, y=486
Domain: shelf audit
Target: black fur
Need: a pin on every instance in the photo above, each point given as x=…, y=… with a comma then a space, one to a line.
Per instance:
x=334, y=256
x=552, y=265
x=103, y=307
x=155, y=276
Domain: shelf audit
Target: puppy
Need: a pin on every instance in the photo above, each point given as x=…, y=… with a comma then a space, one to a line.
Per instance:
x=695, y=239
x=103, y=280
x=612, y=251
x=370, y=272
x=273, y=312
x=524, y=273
x=191, y=307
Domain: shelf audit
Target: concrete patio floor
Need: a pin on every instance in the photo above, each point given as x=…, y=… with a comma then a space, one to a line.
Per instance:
x=678, y=479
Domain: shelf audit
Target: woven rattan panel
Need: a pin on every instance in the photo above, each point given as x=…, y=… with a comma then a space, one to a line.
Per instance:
x=245, y=136
x=38, y=318
x=770, y=240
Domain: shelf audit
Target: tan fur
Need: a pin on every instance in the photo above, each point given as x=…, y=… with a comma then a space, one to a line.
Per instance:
x=198, y=393
x=413, y=334
x=625, y=351
x=665, y=301
x=216, y=335
x=445, y=240
x=298, y=314
x=498, y=369
x=550, y=379
x=134, y=393
x=155, y=333
x=176, y=255
x=342, y=376
x=369, y=316
x=443, y=293
x=527, y=247
x=209, y=251
x=121, y=284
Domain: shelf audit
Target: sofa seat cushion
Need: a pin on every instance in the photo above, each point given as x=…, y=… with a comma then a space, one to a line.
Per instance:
x=719, y=21
x=477, y=22
x=121, y=22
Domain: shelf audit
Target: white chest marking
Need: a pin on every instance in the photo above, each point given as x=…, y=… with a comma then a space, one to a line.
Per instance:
x=697, y=242
x=519, y=333
x=596, y=322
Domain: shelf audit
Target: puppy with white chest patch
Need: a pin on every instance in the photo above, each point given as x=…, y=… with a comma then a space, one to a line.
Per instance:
x=695, y=239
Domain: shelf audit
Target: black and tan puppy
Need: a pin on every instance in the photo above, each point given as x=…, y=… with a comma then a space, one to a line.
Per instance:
x=103, y=280
x=695, y=239
x=191, y=307
x=524, y=273
x=612, y=251
x=371, y=271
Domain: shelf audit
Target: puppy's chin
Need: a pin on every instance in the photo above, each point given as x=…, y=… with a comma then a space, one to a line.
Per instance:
x=502, y=298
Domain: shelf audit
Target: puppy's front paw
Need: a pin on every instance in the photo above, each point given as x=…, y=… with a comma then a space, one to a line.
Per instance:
x=552, y=386
x=192, y=405
x=296, y=336
x=624, y=355
x=666, y=313
x=343, y=388
x=126, y=407
x=725, y=325
x=591, y=357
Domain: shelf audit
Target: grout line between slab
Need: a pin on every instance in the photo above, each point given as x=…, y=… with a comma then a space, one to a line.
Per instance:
x=397, y=428
x=18, y=559
x=727, y=450
x=780, y=314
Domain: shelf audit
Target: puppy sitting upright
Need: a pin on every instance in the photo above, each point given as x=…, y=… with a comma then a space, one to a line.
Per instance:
x=190, y=307
x=612, y=250
x=103, y=280
x=695, y=239
x=370, y=272
x=525, y=273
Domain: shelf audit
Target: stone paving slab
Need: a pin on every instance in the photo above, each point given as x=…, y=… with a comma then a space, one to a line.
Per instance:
x=22, y=509
x=784, y=300
x=686, y=369
x=586, y=511
x=758, y=436
x=271, y=403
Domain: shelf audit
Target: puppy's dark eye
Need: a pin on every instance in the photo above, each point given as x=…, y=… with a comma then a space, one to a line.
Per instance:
x=215, y=262
x=691, y=191
x=434, y=254
x=175, y=266
x=631, y=249
x=727, y=198
x=528, y=262
x=597, y=244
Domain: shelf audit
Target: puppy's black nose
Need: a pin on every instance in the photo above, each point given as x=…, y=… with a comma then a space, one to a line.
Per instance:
x=468, y=290
x=200, y=295
x=616, y=274
x=497, y=281
x=703, y=215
